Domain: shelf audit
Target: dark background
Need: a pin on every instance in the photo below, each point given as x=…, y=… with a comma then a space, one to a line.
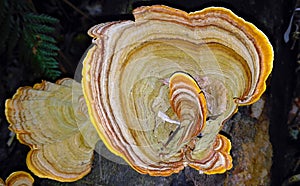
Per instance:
x=271, y=16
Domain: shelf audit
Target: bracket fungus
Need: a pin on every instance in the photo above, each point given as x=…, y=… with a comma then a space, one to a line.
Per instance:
x=50, y=118
x=18, y=178
x=158, y=91
x=142, y=77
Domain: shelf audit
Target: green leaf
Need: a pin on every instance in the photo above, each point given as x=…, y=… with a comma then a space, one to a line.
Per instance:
x=47, y=38
x=47, y=47
x=29, y=35
x=39, y=28
x=39, y=18
x=47, y=53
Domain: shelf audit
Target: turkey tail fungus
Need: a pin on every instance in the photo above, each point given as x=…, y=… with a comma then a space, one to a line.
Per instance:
x=225, y=57
x=157, y=90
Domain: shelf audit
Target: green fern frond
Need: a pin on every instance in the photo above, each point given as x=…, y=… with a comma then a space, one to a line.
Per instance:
x=48, y=54
x=39, y=28
x=51, y=62
x=53, y=73
x=41, y=18
x=46, y=38
x=47, y=47
x=43, y=45
x=30, y=33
